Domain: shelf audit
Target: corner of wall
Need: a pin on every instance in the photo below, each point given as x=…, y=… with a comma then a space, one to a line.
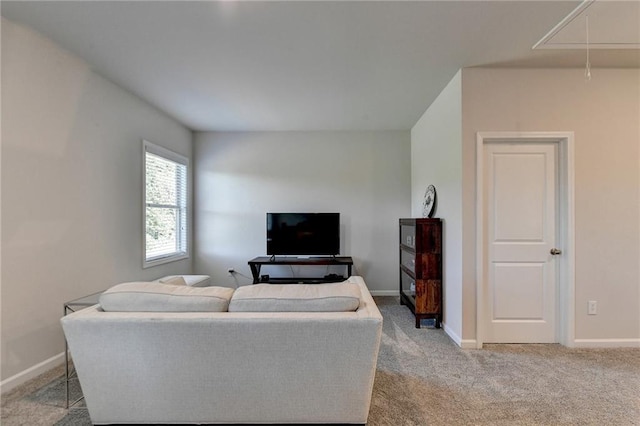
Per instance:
x=436, y=159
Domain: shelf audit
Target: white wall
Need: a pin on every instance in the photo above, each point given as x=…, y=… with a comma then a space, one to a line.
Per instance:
x=365, y=176
x=604, y=114
x=436, y=158
x=71, y=191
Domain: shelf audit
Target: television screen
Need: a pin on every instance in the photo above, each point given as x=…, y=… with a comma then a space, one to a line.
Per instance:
x=303, y=233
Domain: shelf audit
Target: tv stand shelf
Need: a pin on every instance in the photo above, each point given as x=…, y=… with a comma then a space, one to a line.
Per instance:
x=257, y=263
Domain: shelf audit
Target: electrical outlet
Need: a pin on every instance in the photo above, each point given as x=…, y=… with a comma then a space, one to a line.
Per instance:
x=592, y=307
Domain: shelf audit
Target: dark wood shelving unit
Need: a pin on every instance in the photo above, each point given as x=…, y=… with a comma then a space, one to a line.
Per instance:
x=420, y=242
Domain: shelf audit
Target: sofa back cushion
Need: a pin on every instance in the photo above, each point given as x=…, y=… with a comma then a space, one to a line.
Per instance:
x=157, y=297
x=335, y=297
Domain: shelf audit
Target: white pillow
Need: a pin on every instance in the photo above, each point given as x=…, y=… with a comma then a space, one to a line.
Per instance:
x=335, y=297
x=191, y=280
x=157, y=297
x=177, y=280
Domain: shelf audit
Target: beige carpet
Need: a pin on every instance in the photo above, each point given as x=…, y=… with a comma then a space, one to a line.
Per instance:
x=425, y=379
x=22, y=407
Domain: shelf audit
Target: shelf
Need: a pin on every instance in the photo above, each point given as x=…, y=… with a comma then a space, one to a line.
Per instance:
x=408, y=248
x=303, y=280
x=256, y=264
x=409, y=293
x=421, y=268
x=408, y=271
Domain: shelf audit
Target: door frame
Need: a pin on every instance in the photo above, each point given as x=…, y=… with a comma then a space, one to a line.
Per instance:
x=565, y=283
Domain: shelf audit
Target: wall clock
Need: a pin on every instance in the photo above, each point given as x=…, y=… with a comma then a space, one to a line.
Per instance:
x=429, y=202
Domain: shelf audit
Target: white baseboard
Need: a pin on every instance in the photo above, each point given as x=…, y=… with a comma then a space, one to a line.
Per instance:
x=463, y=343
x=452, y=335
x=606, y=343
x=384, y=292
x=28, y=374
x=469, y=344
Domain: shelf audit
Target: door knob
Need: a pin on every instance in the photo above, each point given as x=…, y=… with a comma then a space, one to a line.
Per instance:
x=554, y=251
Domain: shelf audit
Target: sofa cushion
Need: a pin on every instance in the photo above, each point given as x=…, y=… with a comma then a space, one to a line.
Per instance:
x=335, y=297
x=156, y=297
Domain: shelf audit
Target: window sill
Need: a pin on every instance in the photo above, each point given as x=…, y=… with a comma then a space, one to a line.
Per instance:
x=160, y=261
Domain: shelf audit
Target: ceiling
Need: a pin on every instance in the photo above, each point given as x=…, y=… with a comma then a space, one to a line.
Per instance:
x=604, y=24
x=302, y=65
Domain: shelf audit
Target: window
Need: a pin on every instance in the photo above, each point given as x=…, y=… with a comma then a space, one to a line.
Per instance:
x=165, y=205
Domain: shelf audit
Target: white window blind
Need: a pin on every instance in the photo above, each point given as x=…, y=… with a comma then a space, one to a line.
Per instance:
x=166, y=216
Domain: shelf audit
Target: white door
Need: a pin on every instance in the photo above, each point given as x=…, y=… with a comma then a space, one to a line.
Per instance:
x=520, y=187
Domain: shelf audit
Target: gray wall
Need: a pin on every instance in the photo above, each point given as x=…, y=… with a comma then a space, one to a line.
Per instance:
x=436, y=159
x=365, y=176
x=71, y=192
x=603, y=113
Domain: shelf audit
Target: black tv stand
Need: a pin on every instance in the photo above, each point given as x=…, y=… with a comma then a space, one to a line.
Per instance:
x=256, y=263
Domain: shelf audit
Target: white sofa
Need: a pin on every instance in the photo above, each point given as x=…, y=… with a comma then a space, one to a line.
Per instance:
x=229, y=367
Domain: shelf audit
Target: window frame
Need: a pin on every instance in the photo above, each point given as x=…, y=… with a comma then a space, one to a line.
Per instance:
x=149, y=147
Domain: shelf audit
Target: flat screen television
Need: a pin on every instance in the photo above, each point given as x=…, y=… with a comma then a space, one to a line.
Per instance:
x=303, y=234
